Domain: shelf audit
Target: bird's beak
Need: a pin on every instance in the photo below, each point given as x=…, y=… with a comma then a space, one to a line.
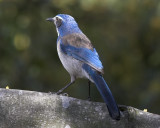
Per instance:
x=50, y=19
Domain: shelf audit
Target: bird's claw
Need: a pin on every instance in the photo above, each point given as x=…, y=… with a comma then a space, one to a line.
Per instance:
x=52, y=92
x=89, y=98
x=59, y=92
x=65, y=94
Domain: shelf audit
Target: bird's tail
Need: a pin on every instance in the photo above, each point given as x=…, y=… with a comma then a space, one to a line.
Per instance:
x=104, y=91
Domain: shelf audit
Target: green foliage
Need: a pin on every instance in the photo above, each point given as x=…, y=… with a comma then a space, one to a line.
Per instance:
x=125, y=33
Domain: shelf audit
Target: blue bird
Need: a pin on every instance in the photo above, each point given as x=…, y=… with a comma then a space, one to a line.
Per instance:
x=81, y=59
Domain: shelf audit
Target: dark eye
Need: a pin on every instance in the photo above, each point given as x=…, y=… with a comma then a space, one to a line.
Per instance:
x=58, y=22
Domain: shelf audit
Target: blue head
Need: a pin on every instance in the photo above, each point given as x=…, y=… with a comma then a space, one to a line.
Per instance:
x=65, y=24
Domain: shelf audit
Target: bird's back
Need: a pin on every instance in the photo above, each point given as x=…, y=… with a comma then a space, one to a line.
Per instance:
x=79, y=47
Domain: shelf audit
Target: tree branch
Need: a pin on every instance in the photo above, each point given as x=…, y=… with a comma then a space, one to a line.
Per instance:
x=29, y=109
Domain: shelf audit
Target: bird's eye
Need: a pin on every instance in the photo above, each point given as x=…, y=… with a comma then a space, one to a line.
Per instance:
x=58, y=22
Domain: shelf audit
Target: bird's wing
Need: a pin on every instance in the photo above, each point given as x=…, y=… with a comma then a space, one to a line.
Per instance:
x=79, y=47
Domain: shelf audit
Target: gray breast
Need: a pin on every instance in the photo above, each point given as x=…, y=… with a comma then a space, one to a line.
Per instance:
x=73, y=66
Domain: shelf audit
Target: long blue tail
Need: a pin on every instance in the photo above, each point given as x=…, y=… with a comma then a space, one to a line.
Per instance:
x=104, y=91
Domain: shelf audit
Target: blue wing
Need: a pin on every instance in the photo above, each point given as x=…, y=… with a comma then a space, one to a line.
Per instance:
x=85, y=55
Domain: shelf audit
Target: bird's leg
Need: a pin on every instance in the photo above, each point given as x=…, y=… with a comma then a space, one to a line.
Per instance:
x=89, y=89
x=61, y=90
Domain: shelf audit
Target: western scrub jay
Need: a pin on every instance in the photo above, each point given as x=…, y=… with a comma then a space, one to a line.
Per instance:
x=81, y=59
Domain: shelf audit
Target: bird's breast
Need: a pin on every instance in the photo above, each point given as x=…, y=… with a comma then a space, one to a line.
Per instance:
x=73, y=66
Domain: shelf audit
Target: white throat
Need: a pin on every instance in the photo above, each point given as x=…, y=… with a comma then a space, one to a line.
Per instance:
x=57, y=31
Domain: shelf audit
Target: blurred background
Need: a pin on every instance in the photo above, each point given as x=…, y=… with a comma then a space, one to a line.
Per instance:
x=125, y=33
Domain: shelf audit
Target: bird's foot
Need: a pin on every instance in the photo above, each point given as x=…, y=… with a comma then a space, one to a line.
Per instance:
x=62, y=94
x=65, y=94
x=89, y=98
x=122, y=108
x=59, y=92
x=52, y=92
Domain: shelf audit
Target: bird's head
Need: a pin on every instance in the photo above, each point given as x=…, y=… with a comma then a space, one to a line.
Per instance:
x=65, y=24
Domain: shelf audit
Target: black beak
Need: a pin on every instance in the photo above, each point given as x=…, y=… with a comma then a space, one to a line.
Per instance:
x=50, y=19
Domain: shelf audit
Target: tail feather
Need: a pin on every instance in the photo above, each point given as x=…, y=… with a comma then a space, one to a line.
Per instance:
x=104, y=91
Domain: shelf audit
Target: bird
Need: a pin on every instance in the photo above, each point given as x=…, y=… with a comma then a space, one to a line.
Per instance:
x=80, y=59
